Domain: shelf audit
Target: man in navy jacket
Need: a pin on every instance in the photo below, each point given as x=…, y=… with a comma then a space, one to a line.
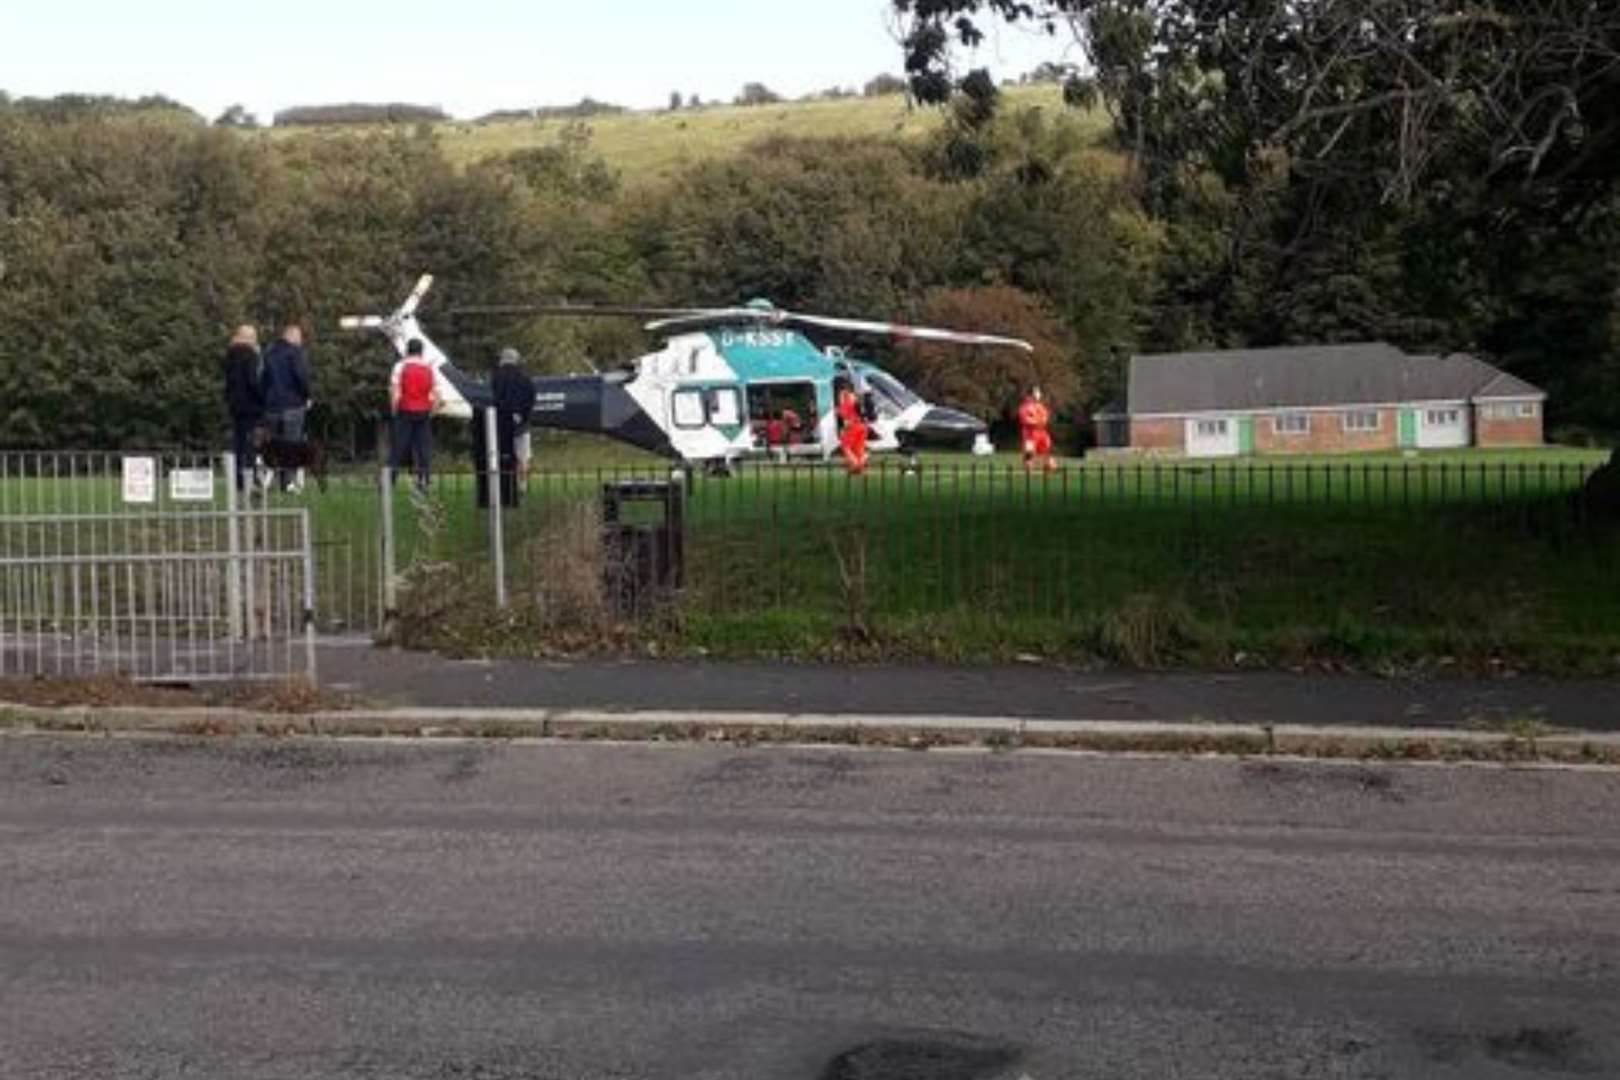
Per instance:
x=286, y=385
x=243, y=396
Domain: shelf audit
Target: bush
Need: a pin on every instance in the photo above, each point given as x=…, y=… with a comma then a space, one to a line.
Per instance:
x=1151, y=630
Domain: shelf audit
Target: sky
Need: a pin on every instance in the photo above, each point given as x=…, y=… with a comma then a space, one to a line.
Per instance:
x=468, y=57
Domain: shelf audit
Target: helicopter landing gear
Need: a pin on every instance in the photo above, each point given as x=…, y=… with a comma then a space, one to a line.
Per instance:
x=912, y=465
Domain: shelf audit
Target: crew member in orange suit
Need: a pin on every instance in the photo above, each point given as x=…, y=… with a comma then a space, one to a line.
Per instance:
x=1033, y=418
x=851, y=431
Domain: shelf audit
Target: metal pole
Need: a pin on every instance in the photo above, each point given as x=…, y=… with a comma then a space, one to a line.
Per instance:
x=390, y=584
x=309, y=594
x=233, y=540
x=492, y=463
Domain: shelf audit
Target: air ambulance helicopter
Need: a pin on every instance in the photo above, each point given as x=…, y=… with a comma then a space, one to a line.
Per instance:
x=703, y=398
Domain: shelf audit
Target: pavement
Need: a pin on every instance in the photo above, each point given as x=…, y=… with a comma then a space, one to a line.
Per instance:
x=1030, y=691
x=300, y=908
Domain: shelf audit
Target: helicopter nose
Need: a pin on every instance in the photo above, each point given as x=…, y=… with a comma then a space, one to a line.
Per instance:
x=940, y=425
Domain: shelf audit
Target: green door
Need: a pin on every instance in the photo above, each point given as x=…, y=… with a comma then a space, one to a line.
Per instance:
x=1408, y=428
x=1246, y=435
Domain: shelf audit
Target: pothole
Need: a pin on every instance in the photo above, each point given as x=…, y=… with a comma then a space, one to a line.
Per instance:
x=927, y=1059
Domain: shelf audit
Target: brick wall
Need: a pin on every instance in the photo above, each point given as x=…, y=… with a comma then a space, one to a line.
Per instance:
x=1516, y=432
x=1326, y=436
x=1168, y=434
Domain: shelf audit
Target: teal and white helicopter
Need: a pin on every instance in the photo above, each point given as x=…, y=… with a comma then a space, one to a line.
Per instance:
x=710, y=395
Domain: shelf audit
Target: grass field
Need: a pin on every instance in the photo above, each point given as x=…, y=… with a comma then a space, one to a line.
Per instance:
x=649, y=145
x=1363, y=560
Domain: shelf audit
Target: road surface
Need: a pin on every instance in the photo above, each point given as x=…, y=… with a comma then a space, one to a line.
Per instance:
x=481, y=911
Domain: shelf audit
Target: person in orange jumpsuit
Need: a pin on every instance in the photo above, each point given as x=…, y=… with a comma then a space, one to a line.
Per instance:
x=1033, y=418
x=851, y=431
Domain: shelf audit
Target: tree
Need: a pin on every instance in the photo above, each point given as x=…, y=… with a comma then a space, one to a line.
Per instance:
x=1048, y=72
x=989, y=382
x=236, y=116
x=675, y=101
x=1391, y=93
x=757, y=94
x=883, y=85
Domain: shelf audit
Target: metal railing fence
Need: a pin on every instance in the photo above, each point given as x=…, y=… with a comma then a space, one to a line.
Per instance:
x=1427, y=543
x=1471, y=542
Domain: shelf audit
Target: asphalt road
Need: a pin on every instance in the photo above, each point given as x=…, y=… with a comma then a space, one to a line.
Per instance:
x=479, y=911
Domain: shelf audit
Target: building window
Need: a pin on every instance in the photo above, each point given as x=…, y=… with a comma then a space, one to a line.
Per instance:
x=1212, y=429
x=1517, y=410
x=1361, y=420
x=688, y=407
x=1292, y=424
x=1442, y=417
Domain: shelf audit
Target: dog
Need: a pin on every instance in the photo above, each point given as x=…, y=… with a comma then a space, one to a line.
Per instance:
x=277, y=455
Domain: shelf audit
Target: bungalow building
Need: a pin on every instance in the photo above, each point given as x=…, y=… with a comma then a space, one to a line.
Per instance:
x=1318, y=399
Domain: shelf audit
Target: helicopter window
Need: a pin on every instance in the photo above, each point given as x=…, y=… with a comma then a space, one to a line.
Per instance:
x=891, y=391
x=687, y=406
x=725, y=406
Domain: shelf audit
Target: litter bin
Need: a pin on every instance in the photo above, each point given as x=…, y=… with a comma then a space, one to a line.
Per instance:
x=643, y=562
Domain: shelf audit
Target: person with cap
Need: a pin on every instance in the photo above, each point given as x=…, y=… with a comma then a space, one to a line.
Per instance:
x=512, y=397
x=244, y=398
x=1033, y=420
x=411, y=395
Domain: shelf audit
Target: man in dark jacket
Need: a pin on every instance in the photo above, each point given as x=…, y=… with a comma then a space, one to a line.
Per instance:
x=286, y=386
x=243, y=397
x=513, y=393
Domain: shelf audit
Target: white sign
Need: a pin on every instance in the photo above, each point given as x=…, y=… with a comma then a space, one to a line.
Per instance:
x=140, y=480
x=191, y=485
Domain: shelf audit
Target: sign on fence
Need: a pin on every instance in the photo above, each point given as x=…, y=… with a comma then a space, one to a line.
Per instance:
x=140, y=479
x=191, y=485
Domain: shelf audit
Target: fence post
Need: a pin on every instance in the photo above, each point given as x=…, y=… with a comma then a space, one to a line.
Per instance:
x=233, y=541
x=251, y=523
x=309, y=594
x=492, y=466
x=390, y=583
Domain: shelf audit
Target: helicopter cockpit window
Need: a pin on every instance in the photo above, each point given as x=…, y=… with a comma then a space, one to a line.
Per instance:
x=892, y=397
x=687, y=406
x=725, y=406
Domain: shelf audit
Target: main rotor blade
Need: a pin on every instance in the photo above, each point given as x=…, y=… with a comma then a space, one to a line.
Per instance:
x=581, y=310
x=906, y=333
x=423, y=284
x=360, y=322
x=704, y=318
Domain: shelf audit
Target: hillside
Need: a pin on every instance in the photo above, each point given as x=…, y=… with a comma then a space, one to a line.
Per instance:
x=649, y=145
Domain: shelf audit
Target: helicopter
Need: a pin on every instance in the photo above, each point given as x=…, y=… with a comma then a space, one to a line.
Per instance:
x=723, y=374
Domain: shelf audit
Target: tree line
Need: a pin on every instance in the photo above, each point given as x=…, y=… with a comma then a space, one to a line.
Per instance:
x=1440, y=175
x=132, y=241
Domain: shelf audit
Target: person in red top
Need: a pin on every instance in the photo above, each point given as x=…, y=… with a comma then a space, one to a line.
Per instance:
x=776, y=437
x=410, y=393
x=1033, y=418
x=852, y=431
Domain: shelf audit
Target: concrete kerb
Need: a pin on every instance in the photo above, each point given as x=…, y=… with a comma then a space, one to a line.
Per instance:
x=919, y=732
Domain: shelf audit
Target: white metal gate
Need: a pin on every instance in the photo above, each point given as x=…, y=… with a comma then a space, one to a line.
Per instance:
x=175, y=589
